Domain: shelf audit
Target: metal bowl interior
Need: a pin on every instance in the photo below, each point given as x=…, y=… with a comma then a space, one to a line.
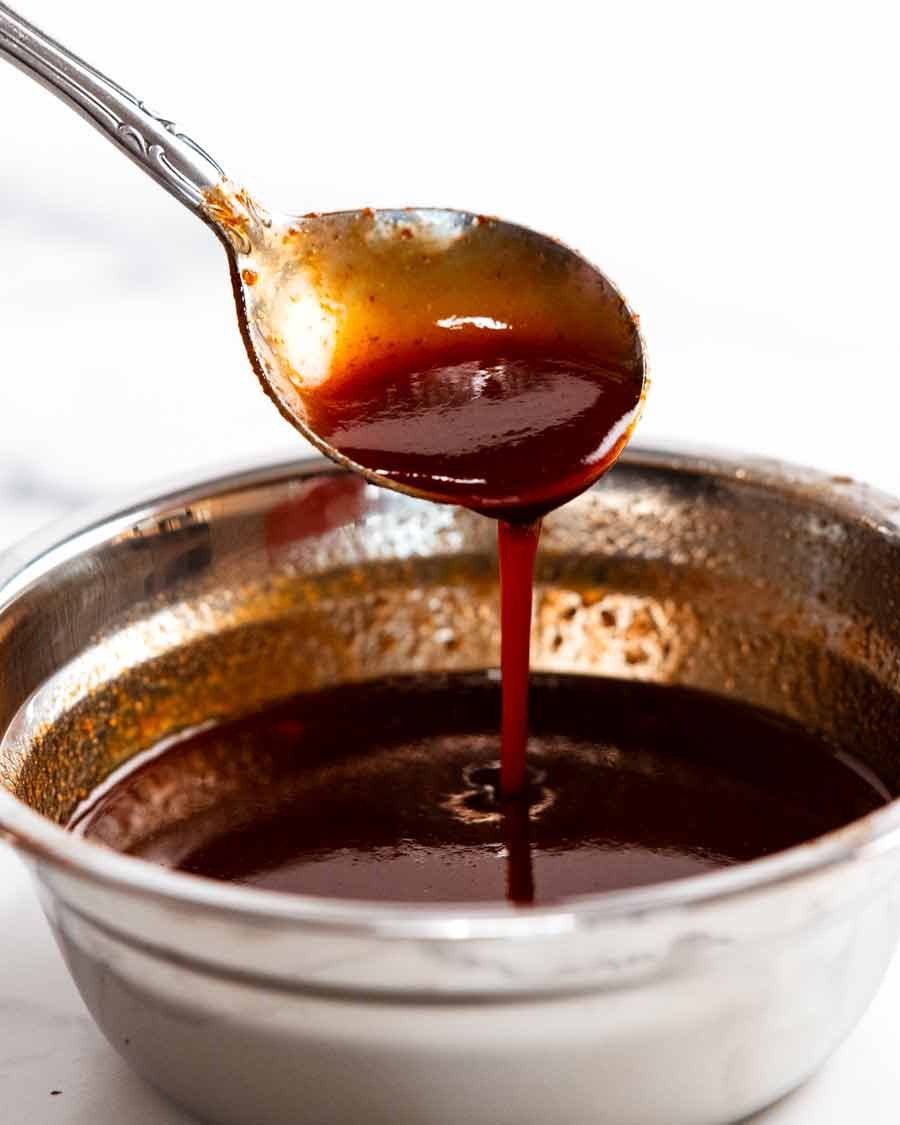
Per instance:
x=775, y=586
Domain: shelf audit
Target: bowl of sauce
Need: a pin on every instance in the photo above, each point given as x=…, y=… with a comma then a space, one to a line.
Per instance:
x=252, y=748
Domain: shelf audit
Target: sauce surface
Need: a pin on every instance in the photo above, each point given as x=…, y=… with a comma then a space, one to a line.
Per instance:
x=377, y=792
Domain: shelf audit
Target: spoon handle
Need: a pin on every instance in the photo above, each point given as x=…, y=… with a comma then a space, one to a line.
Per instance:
x=157, y=145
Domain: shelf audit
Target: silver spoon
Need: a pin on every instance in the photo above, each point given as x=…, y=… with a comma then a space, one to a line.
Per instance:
x=317, y=293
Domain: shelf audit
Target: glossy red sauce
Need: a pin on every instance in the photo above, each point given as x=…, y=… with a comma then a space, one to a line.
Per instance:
x=509, y=432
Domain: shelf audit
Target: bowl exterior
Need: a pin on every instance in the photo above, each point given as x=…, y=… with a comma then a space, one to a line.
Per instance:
x=720, y=1032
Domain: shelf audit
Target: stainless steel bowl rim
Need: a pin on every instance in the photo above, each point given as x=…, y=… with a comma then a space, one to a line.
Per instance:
x=27, y=563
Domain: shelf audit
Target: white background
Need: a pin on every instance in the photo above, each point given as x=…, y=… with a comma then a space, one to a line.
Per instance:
x=732, y=166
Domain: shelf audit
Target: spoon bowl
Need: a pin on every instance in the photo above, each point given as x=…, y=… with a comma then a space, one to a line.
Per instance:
x=483, y=313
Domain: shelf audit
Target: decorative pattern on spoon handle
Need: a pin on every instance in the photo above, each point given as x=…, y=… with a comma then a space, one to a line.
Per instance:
x=156, y=144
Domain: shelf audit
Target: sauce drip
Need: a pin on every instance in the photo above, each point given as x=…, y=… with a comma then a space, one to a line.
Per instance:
x=377, y=791
x=517, y=549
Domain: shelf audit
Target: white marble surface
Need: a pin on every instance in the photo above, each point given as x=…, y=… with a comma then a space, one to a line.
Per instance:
x=730, y=166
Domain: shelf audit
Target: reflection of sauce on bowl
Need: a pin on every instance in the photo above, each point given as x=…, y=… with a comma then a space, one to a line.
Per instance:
x=318, y=507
